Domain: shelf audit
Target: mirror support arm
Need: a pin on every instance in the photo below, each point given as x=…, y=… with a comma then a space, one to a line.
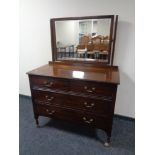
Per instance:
x=114, y=39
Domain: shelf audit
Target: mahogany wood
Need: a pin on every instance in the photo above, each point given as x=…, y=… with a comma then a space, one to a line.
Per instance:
x=107, y=74
x=98, y=106
x=81, y=117
x=88, y=100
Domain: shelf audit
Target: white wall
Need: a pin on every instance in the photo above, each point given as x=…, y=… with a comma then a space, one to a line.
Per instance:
x=65, y=32
x=35, y=48
x=103, y=27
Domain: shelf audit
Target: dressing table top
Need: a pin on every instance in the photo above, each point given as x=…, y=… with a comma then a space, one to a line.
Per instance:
x=106, y=74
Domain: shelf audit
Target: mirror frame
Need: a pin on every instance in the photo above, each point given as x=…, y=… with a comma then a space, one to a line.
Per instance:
x=113, y=30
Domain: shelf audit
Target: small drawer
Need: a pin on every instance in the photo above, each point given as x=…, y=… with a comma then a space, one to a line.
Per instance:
x=95, y=106
x=58, y=112
x=96, y=121
x=50, y=83
x=75, y=116
x=48, y=98
x=93, y=88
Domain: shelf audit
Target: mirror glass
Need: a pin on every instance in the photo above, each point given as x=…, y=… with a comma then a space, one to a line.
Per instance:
x=83, y=39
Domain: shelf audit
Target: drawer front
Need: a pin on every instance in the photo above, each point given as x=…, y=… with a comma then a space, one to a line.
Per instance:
x=75, y=116
x=74, y=86
x=91, y=105
x=50, y=83
x=93, y=88
x=47, y=98
x=75, y=102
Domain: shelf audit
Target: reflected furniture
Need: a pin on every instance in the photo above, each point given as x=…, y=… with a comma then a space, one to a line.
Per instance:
x=82, y=47
x=96, y=47
x=65, y=51
x=77, y=90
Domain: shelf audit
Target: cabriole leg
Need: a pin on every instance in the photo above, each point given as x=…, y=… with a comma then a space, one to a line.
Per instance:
x=108, y=141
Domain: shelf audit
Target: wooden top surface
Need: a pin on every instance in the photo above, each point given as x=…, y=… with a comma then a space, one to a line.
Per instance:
x=107, y=74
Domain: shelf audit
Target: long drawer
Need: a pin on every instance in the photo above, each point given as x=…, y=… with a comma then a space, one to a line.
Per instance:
x=102, y=107
x=75, y=116
x=78, y=86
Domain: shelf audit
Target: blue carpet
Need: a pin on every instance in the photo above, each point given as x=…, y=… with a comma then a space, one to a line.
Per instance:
x=56, y=137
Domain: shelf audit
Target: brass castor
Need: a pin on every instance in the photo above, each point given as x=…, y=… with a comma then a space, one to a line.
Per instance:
x=106, y=144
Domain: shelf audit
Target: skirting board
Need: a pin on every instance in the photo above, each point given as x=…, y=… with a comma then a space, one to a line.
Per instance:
x=116, y=115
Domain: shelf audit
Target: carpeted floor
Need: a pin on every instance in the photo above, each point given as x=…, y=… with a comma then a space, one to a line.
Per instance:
x=56, y=137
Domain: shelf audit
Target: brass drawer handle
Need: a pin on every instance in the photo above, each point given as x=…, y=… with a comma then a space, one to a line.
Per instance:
x=49, y=98
x=48, y=84
x=85, y=87
x=93, y=88
x=89, y=106
x=50, y=112
x=88, y=121
x=89, y=90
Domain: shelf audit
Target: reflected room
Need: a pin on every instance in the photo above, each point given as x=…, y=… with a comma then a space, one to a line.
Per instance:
x=83, y=39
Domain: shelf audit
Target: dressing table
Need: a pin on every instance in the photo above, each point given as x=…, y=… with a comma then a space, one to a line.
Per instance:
x=78, y=89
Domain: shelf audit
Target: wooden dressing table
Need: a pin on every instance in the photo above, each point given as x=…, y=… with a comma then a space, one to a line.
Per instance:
x=75, y=90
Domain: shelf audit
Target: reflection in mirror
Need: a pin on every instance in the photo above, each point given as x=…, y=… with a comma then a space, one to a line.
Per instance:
x=83, y=39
